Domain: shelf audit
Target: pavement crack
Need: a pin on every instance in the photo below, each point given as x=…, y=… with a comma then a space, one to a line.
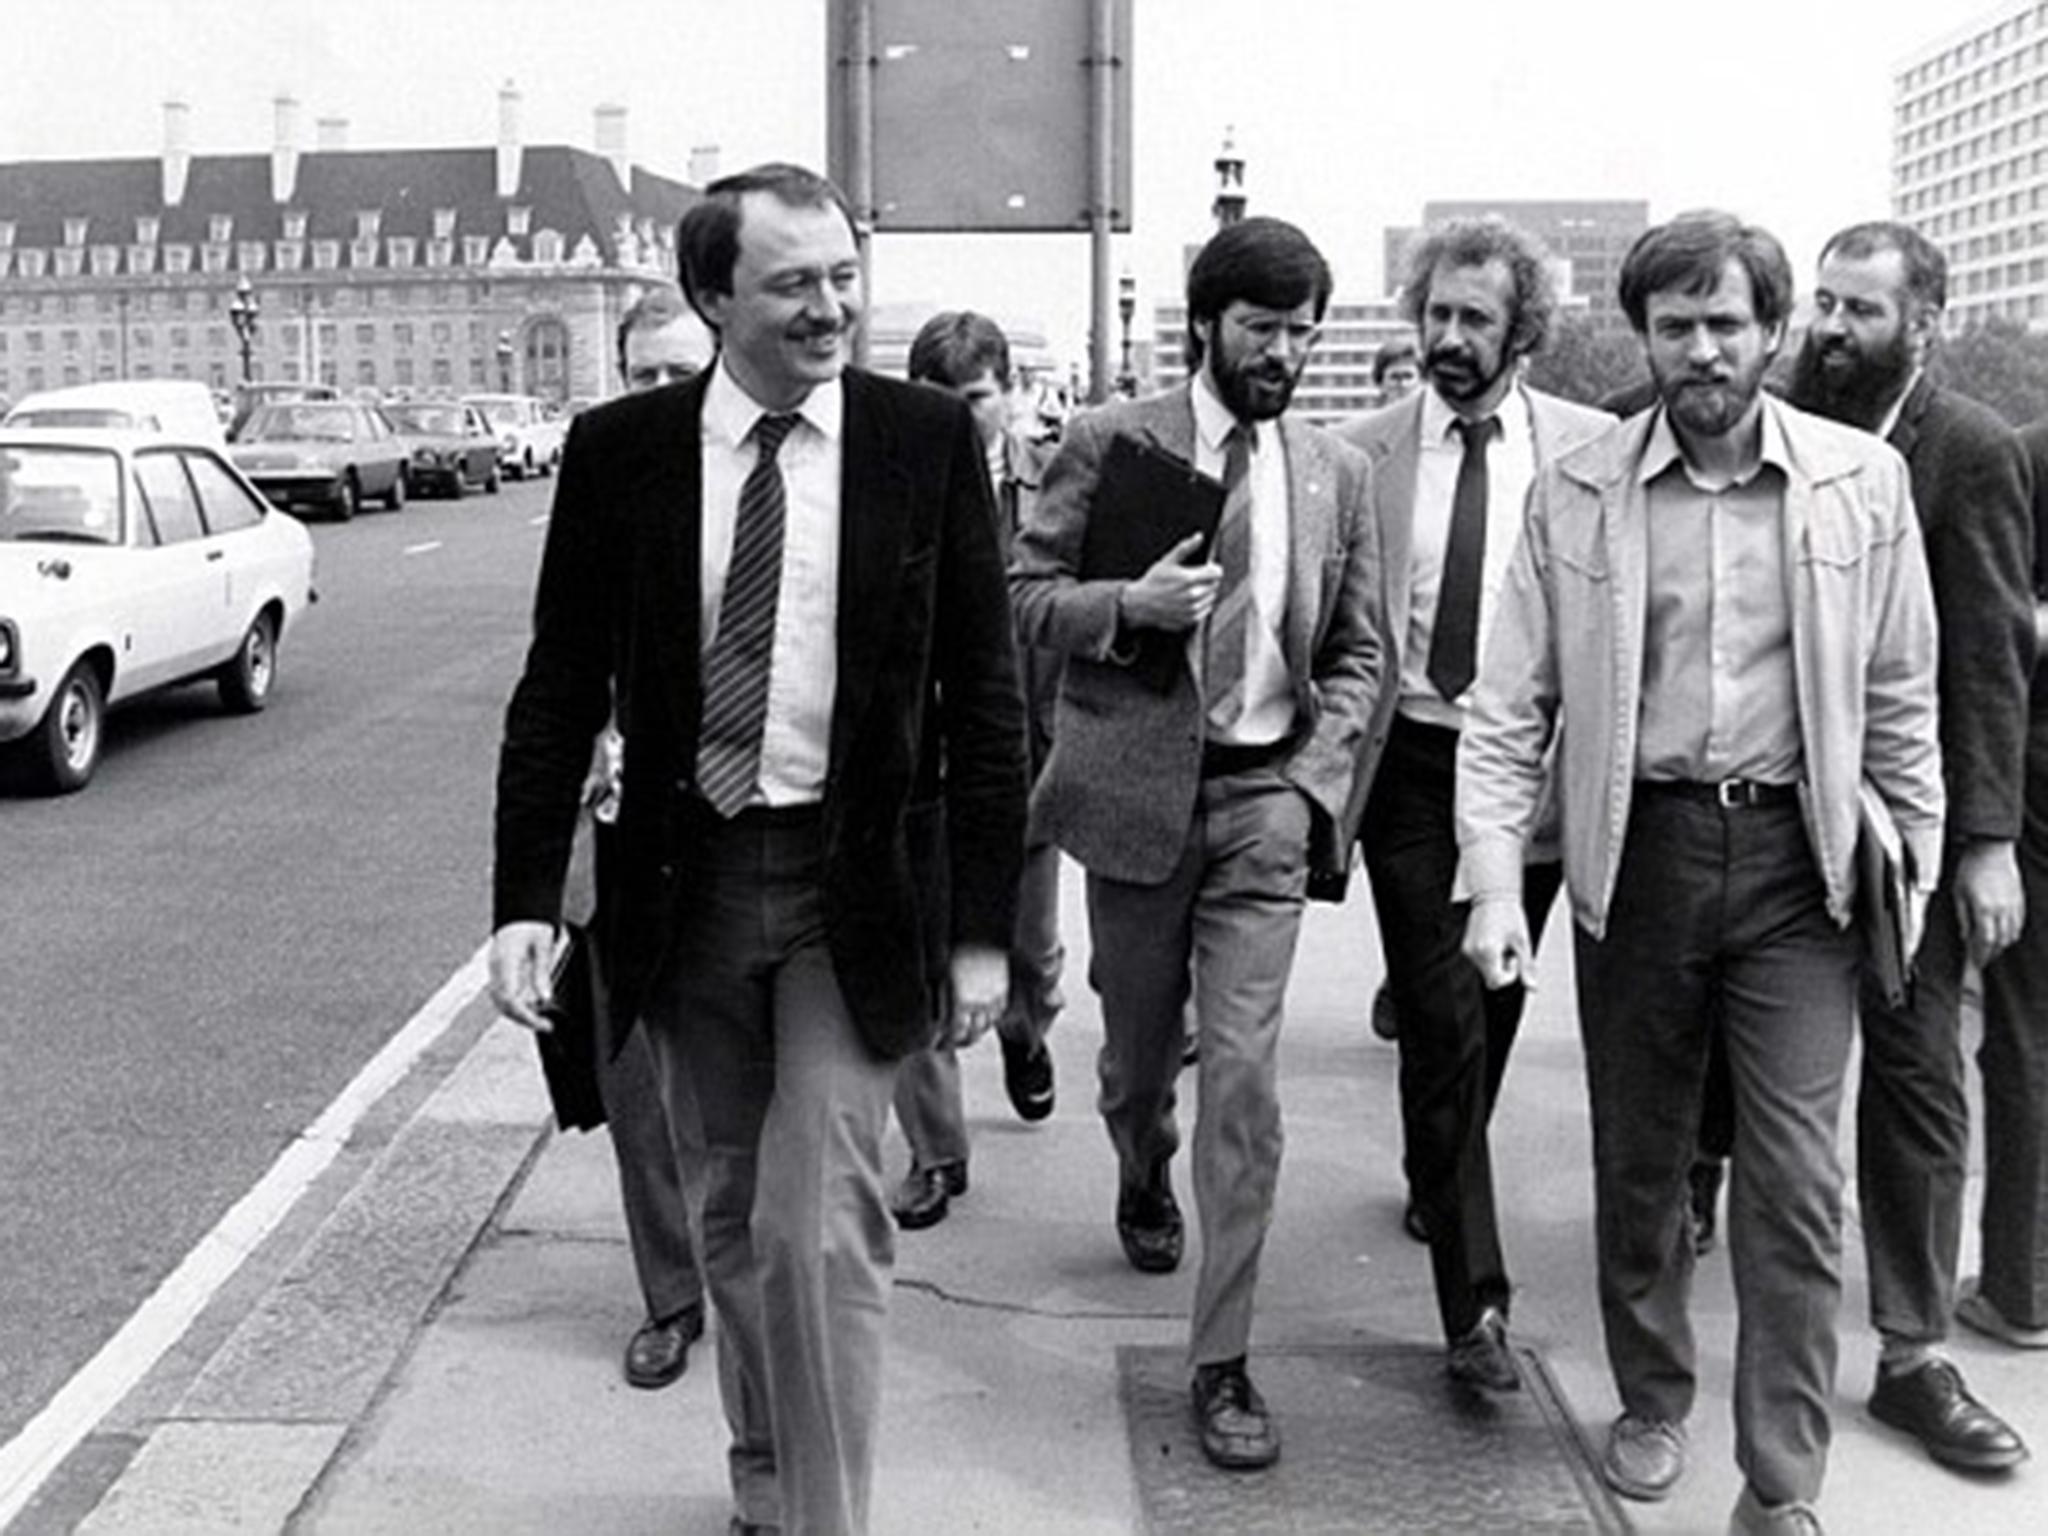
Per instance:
x=938, y=1292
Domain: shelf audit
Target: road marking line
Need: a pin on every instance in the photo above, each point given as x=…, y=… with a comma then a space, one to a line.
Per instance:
x=421, y=549
x=27, y=1460
x=538, y=521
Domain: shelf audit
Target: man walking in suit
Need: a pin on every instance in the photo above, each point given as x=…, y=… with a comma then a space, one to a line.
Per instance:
x=1199, y=794
x=788, y=573
x=968, y=354
x=1673, y=626
x=1877, y=313
x=1451, y=468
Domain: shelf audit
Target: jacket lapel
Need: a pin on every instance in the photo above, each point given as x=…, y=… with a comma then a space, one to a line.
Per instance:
x=670, y=502
x=874, y=512
x=1311, y=535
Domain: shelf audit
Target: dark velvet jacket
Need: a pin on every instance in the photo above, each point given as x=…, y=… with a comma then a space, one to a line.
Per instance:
x=925, y=789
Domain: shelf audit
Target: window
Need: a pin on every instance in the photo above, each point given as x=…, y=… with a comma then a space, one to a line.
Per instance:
x=401, y=334
x=178, y=258
x=518, y=220
x=220, y=229
x=146, y=229
x=223, y=501
x=402, y=250
x=442, y=333
x=444, y=223
x=367, y=220
x=366, y=335
x=326, y=255
x=476, y=250
x=142, y=338
x=402, y=367
x=74, y=231
x=291, y=255
x=327, y=332
x=366, y=372
x=68, y=340
x=168, y=498
x=443, y=374
x=295, y=224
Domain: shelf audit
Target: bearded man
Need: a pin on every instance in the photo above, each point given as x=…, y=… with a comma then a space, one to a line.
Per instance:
x=1877, y=312
x=1198, y=796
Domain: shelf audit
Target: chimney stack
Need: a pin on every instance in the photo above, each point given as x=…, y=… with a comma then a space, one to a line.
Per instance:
x=703, y=165
x=508, y=140
x=284, y=148
x=611, y=142
x=177, y=150
x=332, y=133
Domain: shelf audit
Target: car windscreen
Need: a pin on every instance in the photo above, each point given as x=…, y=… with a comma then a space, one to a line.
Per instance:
x=503, y=413
x=302, y=423
x=59, y=496
x=445, y=420
x=80, y=416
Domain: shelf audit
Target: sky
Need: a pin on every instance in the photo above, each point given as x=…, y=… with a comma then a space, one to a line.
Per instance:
x=1349, y=113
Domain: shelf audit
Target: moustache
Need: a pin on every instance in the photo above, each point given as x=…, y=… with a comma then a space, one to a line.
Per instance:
x=1449, y=357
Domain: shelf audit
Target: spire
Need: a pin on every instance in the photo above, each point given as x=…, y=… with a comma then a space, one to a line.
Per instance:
x=1229, y=205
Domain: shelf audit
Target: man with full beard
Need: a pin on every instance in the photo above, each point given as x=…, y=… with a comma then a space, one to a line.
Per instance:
x=1720, y=619
x=1209, y=717
x=1451, y=466
x=1877, y=311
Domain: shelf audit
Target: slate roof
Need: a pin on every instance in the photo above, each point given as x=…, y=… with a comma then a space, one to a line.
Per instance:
x=569, y=190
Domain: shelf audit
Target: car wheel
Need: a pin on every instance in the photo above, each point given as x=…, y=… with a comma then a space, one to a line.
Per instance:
x=67, y=743
x=396, y=500
x=458, y=484
x=527, y=468
x=350, y=501
x=493, y=483
x=245, y=682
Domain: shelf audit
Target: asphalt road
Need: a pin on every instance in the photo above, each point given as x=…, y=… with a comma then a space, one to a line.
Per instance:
x=201, y=949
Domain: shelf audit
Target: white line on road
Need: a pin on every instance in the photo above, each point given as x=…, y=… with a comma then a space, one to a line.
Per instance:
x=540, y=520
x=421, y=549
x=30, y=1457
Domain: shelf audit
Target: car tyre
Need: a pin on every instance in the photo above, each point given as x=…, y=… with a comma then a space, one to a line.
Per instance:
x=67, y=743
x=493, y=481
x=396, y=499
x=246, y=680
x=458, y=484
x=350, y=501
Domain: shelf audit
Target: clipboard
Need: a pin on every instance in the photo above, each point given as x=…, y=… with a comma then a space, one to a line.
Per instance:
x=1147, y=500
x=1881, y=899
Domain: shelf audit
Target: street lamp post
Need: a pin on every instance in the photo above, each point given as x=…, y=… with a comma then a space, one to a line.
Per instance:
x=243, y=310
x=505, y=362
x=1126, y=306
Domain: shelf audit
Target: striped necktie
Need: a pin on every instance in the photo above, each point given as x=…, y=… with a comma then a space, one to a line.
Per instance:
x=736, y=667
x=1230, y=622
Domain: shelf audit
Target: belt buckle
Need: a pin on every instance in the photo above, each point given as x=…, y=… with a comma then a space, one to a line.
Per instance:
x=1733, y=794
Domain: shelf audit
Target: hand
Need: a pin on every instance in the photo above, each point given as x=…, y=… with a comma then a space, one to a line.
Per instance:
x=980, y=985
x=1497, y=941
x=1173, y=595
x=522, y=954
x=1991, y=904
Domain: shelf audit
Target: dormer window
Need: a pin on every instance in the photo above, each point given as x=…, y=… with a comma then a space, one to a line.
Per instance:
x=367, y=220
x=518, y=220
x=74, y=232
x=476, y=250
x=220, y=228
x=106, y=260
x=400, y=250
x=326, y=255
x=547, y=246
x=32, y=262
x=141, y=259
x=440, y=253
x=177, y=258
x=6, y=234
x=146, y=229
x=361, y=253
x=444, y=223
x=70, y=260
x=295, y=223
x=249, y=255
x=291, y=255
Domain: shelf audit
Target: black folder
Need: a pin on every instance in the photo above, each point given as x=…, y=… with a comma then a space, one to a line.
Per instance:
x=1146, y=501
x=1881, y=898
x=568, y=1052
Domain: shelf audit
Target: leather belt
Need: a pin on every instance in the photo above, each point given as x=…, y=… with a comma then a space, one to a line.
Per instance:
x=1220, y=758
x=1728, y=794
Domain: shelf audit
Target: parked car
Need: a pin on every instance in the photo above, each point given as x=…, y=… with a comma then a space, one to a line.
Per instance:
x=273, y=392
x=325, y=456
x=176, y=407
x=449, y=446
x=130, y=561
x=529, y=441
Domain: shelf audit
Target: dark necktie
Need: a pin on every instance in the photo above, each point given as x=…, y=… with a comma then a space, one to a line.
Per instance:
x=1230, y=620
x=736, y=667
x=1454, y=640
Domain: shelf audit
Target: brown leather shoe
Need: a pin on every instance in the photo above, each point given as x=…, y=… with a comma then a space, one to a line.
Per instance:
x=659, y=1350
x=1236, y=1431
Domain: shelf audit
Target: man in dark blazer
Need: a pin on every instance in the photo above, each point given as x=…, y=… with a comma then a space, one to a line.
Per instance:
x=787, y=574
x=1209, y=718
x=1480, y=295
x=1877, y=311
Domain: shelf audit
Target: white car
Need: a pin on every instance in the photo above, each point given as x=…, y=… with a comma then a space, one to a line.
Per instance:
x=130, y=561
x=529, y=439
x=174, y=407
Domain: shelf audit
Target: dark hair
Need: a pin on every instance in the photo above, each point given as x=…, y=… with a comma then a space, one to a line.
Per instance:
x=1476, y=243
x=1263, y=261
x=650, y=312
x=957, y=347
x=1926, y=268
x=1692, y=252
x=1399, y=350
x=708, y=235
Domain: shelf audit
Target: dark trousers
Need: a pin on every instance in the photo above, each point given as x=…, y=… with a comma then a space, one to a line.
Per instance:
x=1719, y=921
x=1455, y=1033
x=1913, y=1136
x=757, y=1050
x=2014, y=1061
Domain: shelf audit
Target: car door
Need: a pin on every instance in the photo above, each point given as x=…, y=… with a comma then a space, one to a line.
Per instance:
x=234, y=530
x=180, y=587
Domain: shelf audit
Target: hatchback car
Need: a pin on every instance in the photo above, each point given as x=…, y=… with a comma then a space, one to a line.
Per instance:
x=529, y=440
x=323, y=456
x=449, y=446
x=128, y=562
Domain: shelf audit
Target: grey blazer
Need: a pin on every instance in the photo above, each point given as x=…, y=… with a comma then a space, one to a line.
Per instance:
x=1119, y=788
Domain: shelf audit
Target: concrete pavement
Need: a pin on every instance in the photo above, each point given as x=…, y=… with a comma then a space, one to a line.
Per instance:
x=442, y=1352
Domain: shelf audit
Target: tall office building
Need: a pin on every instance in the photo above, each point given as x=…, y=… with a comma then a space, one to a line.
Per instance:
x=1587, y=238
x=1970, y=161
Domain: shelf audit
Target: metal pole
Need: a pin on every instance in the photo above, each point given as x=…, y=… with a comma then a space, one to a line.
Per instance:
x=1101, y=189
x=860, y=150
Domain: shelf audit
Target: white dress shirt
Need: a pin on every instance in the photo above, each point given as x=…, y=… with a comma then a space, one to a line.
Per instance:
x=1268, y=713
x=803, y=664
x=1510, y=465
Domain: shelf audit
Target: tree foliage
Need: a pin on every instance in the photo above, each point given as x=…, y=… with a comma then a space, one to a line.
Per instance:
x=1587, y=361
x=2001, y=363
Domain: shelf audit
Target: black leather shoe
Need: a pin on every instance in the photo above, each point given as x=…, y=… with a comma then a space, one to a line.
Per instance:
x=1930, y=1403
x=1027, y=1078
x=1237, y=1433
x=1413, y=1224
x=1149, y=1225
x=1481, y=1357
x=1704, y=1198
x=659, y=1351
x=739, y=1527
x=925, y=1195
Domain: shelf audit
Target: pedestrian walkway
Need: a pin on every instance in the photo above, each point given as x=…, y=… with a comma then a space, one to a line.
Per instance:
x=480, y=1392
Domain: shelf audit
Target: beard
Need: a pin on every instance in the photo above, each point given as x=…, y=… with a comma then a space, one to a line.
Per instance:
x=1835, y=378
x=1460, y=374
x=1255, y=387
x=1712, y=401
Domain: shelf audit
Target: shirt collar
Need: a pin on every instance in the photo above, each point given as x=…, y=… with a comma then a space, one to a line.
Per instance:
x=1213, y=419
x=1438, y=417
x=1898, y=406
x=730, y=412
x=1661, y=449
